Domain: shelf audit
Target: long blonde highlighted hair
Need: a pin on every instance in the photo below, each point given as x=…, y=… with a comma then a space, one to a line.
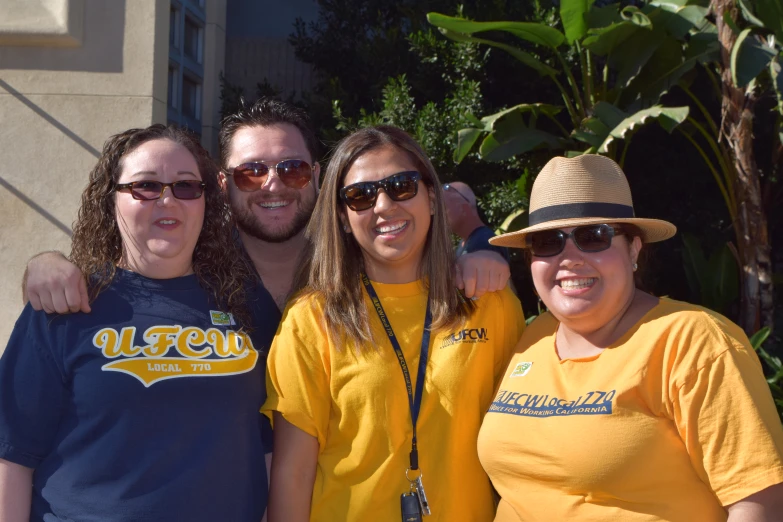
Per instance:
x=337, y=259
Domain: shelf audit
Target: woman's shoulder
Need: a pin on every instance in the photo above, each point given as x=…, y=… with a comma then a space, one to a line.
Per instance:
x=494, y=301
x=678, y=316
x=304, y=300
x=34, y=323
x=303, y=325
x=306, y=307
x=690, y=336
x=542, y=327
x=129, y=286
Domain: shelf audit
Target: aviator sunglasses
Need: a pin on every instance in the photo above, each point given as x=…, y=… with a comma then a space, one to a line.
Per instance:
x=249, y=177
x=587, y=238
x=363, y=195
x=150, y=190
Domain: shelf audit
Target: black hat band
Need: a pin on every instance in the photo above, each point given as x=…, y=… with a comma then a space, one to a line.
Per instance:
x=580, y=210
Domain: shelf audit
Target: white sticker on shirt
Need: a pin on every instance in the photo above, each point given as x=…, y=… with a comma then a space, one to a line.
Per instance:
x=521, y=369
x=221, y=318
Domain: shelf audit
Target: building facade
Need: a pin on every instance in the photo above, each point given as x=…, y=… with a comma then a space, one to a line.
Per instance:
x=73, y=73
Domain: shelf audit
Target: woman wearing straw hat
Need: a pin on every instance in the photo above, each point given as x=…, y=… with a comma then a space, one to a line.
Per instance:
x=618, y=405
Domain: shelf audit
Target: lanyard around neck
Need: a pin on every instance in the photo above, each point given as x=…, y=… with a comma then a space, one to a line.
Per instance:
x=414, y=401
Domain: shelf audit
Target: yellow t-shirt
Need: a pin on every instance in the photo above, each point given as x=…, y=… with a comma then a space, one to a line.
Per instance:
x=672, y=422
x=356, y=405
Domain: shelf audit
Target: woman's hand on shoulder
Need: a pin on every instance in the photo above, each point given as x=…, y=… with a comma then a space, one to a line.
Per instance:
x=764, y=506
x=54, y=284
x=481, y=272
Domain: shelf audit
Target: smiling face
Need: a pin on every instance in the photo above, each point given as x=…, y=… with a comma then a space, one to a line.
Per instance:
x=587, y=290
x=392, y=234
x=159, y=236
x=275, y=213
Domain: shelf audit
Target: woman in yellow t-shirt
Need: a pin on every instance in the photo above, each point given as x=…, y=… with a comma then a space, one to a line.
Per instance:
x=351, y=378
x=618, y=405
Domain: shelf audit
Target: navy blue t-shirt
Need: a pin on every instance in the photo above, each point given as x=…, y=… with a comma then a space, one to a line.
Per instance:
x=146, y=409
x=479, y=240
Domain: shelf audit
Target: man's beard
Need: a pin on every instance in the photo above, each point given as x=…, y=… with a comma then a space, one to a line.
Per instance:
x=248, y=223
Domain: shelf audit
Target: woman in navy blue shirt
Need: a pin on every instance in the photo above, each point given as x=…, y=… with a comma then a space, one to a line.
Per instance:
x=147, y=408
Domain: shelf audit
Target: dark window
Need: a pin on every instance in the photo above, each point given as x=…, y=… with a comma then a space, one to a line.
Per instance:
x=191, y=91
x=173, y=28
x=192, y=40
x=173, y=90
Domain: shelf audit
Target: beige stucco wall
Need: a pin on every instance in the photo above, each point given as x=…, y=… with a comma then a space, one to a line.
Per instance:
x=72, y=73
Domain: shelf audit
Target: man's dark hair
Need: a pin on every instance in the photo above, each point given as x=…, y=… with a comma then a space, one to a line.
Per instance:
x=263, y=113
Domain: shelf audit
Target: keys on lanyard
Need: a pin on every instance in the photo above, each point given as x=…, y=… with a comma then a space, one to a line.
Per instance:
x=410, y=507
x=413, y=504
x=418, y=487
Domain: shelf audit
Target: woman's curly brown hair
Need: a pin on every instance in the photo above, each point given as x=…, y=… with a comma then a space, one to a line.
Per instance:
x=218, y=262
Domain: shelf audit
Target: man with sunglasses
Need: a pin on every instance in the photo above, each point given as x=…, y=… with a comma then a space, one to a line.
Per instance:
x=267, y=158
x=465, y=221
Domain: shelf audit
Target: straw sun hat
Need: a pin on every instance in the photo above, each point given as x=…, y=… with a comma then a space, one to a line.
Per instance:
x=585, y=190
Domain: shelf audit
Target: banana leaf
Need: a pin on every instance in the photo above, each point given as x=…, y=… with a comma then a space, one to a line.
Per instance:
x=771, y=13
x=758, y=338
x=538, y=34
x=629, y=58
x=523, y=56
x=776, y=73
x=466, y=138
x=499, y=147
x=517, y=220
x=723, y=273
x=749, y=56
x=535, y=108
x=695, y=264
x=603, y=40
x=666, y=68
x=504, y=125
x=572, y=14
x=667, y=117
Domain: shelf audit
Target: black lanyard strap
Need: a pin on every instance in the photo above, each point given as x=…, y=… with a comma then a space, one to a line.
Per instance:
x=414, y=401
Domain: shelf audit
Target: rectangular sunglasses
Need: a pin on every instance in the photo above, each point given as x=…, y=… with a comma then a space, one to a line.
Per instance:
x=249, y=177
x=150, y=190
x=587, y=238
x=363, y=195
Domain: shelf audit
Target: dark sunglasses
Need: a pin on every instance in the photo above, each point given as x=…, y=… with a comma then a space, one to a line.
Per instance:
x=399, y=187
x=249, y=177
x=587, y=238
x=149, y=190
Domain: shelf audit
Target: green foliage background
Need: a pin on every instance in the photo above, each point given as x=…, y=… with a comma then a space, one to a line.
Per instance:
x=381, y=62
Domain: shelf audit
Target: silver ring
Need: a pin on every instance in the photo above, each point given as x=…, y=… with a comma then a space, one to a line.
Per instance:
x=413, y=479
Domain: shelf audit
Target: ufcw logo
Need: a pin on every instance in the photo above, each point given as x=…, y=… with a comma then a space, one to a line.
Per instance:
x=544, y=405
x=469, y=336
x=209, y=353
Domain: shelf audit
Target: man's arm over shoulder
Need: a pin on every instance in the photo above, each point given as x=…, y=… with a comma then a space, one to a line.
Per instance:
x=53, y=284
x=481, y=272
